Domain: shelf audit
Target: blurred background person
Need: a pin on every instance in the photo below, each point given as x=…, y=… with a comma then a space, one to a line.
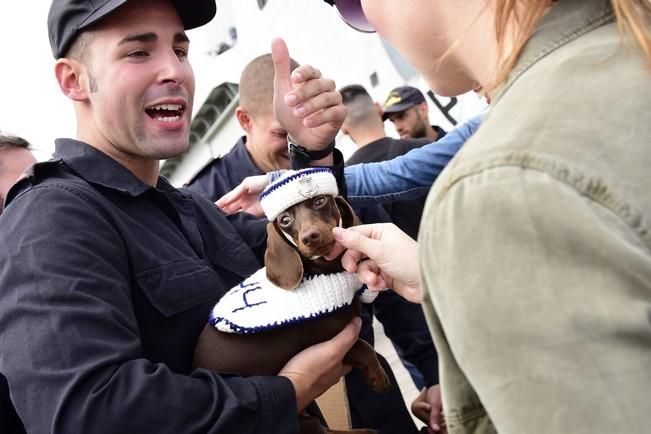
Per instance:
x=407, y=109
x=15, y=157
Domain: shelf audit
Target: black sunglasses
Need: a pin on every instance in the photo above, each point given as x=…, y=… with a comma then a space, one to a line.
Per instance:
x=352, y=13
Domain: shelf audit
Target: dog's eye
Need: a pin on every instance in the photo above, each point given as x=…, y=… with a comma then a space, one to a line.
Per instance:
x=285, y=220
x=319, y=201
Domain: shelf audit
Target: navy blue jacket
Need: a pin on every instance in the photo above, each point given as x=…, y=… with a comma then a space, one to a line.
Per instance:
x=105, y=285
x=403, y=322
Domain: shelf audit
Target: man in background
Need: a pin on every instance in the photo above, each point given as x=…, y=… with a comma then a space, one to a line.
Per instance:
x=15, y=158
x=407, y=108
x=262, y=148
x=365, y=127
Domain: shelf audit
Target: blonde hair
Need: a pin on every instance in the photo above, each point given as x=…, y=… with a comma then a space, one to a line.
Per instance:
x=633, y=19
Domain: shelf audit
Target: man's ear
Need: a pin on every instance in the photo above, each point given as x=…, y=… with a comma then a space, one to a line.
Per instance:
x=423, y=108
x=378, y=108
x=243, y=118
x=72, y=77
x=282, y=261
x=344, y=129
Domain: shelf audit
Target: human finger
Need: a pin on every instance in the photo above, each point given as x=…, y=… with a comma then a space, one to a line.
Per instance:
x=309, y=89
x=304, y=73
x=337, y=249
x=350, y=259
x=229, y=203
x=280, y=57
x=363, y=238
x=322, y=101
x=369, y=273
x=333, y=116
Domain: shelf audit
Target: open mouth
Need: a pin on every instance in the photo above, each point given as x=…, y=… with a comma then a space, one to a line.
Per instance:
x=166, y=112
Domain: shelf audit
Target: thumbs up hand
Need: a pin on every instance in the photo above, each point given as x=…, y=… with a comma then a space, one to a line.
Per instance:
x=307, y=105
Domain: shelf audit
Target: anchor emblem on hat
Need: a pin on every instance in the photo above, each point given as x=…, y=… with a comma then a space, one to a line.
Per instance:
x=307, y=188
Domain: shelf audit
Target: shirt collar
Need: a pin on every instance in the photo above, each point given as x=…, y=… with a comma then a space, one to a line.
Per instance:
x=564, y=22
x=98, y=168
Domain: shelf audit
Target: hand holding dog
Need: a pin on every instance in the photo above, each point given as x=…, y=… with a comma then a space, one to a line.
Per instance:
x=392, y=258
x=319, y=367
x=307, y=105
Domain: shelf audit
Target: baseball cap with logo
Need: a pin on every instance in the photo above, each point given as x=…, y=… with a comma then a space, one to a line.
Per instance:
x=400, y=99
x=69, y=17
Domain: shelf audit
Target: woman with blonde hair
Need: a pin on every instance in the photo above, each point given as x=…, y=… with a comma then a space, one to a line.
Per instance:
x=535, y=245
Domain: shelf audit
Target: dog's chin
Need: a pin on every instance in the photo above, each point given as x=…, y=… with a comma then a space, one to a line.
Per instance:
x=318, y=252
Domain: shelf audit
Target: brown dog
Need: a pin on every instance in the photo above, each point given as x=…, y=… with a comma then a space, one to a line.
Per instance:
x=309, y=224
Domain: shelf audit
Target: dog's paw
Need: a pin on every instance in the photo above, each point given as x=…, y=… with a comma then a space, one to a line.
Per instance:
x=379, y=380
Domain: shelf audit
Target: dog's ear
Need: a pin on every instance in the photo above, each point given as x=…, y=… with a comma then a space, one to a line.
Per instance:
x=284, y=265
x=348, y=216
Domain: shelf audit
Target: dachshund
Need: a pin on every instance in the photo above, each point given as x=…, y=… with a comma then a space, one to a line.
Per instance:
x=298, y=238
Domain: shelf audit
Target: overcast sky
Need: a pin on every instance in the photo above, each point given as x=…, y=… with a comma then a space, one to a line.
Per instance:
x=32, y=106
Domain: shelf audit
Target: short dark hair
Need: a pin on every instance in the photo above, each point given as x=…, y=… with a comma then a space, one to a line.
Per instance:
x=360, y=106
x=13, y=142
x=352, y=92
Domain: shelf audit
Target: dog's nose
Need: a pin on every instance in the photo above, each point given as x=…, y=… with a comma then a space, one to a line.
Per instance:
x=311, y=237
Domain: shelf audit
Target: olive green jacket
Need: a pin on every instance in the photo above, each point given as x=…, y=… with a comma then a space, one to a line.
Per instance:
x=536, y=242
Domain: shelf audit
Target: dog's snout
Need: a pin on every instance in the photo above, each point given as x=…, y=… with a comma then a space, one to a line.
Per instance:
x=311, y=237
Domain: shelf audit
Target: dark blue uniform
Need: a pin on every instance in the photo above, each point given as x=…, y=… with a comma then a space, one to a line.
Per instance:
x=105, y=285
x=403, y=322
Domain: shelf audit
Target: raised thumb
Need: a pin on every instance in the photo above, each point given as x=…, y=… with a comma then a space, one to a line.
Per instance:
x=280, y=56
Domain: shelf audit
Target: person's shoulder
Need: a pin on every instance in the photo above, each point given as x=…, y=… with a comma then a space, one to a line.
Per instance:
x=48, y=175
x=372, y=152
x=206, y=171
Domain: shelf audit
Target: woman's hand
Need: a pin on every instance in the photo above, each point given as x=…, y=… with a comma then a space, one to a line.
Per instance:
x=382, y=256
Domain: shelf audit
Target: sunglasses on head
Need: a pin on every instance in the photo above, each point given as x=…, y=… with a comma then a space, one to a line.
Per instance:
x=352, y=13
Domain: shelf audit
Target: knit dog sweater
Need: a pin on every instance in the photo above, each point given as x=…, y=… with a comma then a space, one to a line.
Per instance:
x=256, y=304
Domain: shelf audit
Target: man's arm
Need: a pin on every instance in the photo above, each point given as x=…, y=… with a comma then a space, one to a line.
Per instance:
x=71, y=344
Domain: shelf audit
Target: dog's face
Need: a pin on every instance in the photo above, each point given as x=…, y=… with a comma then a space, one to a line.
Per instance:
x=301, y=233
x=309, y=225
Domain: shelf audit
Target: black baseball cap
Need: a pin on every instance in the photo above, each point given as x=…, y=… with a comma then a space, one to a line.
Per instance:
x=400, y=99
x=68, y=17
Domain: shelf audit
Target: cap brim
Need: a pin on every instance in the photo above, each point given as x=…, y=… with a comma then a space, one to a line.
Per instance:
x=193, y=14
x=395, y=109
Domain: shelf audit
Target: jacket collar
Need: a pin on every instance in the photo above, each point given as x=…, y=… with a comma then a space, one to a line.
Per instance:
x=98, y=168
x=564, y=22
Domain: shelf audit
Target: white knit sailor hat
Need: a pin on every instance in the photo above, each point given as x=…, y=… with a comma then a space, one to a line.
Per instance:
x=295, y=186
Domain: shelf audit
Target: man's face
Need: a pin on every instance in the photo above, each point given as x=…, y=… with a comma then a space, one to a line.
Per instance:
x=13, y=162
x=409, y=123
x=267, y=143
x=141, y=85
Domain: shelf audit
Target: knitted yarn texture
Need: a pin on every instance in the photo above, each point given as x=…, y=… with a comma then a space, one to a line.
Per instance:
x=256, y=304
x=295, y=186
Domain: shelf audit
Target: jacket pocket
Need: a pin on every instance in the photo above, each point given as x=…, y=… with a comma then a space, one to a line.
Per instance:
x=180, y=286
